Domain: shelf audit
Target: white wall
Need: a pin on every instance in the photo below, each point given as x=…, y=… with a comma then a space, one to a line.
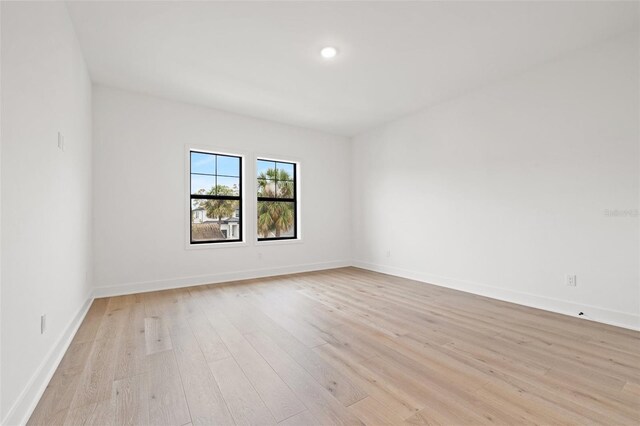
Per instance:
x=140, y=210
x=503, y=191
x=46, y=195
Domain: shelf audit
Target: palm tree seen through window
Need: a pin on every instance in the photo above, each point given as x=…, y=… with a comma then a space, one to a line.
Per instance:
x=276, y=213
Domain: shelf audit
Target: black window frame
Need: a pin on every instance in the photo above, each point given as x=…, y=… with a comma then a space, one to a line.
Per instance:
x=280, y=199
x=238, y=198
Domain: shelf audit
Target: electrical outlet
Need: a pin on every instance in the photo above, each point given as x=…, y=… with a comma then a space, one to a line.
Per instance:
x=388, y=253
x=259, y=255
x=60, y=141
x=43, y=323
x=571, y=281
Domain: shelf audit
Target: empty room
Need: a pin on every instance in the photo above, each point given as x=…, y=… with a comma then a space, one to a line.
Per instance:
x=315, y=213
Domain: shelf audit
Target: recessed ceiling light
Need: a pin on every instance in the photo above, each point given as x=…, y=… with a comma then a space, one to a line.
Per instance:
x=329, y=52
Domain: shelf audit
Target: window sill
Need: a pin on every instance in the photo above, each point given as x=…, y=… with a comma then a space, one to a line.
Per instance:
x=204, y=246
x=279, y=242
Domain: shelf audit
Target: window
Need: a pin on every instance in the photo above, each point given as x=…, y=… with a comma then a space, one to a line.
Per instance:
x=277, y=206
x=216, y=198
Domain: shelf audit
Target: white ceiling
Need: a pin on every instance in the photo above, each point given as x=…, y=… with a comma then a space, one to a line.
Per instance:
x=262, y=58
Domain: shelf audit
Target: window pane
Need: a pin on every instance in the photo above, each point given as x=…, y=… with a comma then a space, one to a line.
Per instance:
x=228, y=186
x=203, y=184
x=276, y=219
x=228, y=166
x=266, y=188
x=203, y=163
x=266, y=169
x=285, y=171
x=284, y=189
x=215, y=220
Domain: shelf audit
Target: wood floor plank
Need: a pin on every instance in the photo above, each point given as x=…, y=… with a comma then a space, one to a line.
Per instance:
x=632, y=389
x=274, y=392
x=96, y=380
x=103, y=414
x=167, y=402
x=394, y=399
x=335, y=347
x=429, y=393
x=156, y=332
x=205, y=401
x=243, y=401
x=113, y=322
x=371, y=412
x=57, y=418
x=131, y=399
x=210, y=342
x=339, y=386
x=89, y=327
x=317, y=399
x=79, y=415
x=75, y=359
x=246, y=316
x=131, y=357
x=305, y=418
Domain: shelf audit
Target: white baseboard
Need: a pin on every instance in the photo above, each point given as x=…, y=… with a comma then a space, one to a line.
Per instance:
x=22, y=409
x=146, y=286
x=593, y=313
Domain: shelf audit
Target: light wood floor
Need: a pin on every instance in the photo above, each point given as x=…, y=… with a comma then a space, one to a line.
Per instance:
x=344, y=346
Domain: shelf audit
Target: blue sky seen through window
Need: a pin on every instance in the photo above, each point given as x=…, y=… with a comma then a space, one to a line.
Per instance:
x=228, y=166
x=210, y=170
x=203, y=163
x=202, y=182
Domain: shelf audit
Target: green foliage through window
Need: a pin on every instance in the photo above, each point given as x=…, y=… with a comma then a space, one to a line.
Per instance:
x=276, y=187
